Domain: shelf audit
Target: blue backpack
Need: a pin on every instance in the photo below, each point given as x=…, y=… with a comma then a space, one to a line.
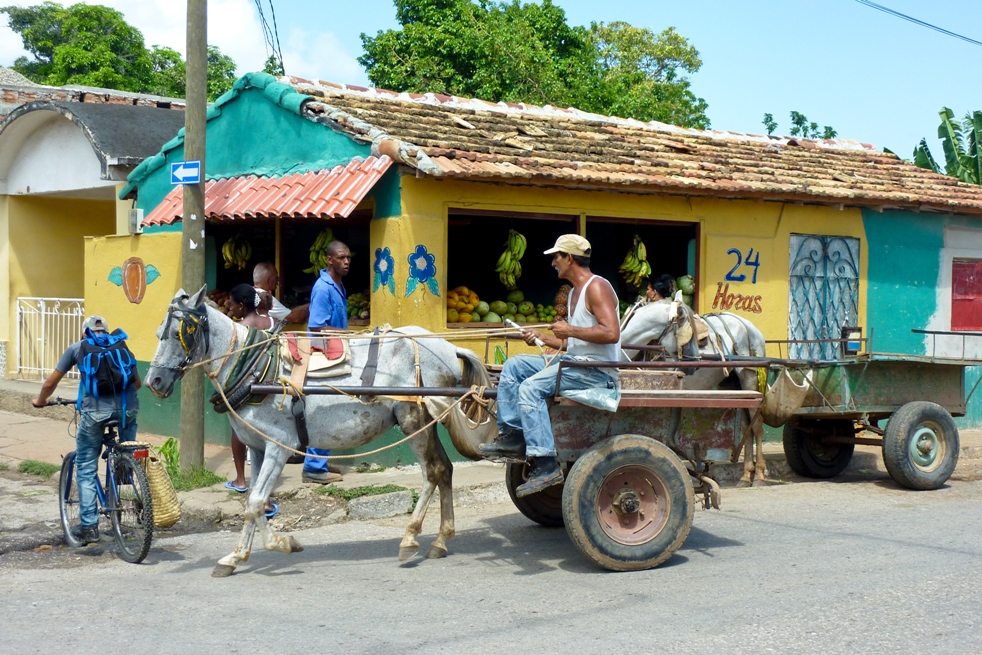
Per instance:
x=105, y=363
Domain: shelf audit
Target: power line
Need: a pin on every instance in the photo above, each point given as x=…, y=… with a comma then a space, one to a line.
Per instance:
x=887, y=10
x=270, y=34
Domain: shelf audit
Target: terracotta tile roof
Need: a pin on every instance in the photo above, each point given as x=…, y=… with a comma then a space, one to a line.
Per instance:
x=334, y=192
x=455, y=137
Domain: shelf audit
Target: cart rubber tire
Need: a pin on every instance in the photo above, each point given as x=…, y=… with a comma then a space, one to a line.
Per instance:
x=920, y=446
x=808, y=457
x=545, y=507
x=636, y=465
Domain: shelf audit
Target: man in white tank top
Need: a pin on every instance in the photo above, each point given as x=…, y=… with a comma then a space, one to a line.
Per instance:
x=526, y=384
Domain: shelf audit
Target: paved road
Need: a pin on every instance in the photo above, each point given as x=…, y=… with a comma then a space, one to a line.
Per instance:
x=823, y=567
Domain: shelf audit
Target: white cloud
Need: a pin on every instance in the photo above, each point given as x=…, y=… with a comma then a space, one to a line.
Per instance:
x=233, y=26
x=319, y=56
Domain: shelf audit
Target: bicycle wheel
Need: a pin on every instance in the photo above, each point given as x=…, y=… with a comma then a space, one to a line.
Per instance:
x=68, y=499
x=132, y=509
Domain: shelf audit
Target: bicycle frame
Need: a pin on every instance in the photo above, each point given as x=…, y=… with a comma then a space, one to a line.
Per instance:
x=109, y=454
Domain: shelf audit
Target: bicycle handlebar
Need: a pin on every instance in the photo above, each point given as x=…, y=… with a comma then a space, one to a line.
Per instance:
x=60, y=401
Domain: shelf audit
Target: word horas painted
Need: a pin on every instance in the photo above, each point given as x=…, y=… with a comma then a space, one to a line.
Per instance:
x=735, y=301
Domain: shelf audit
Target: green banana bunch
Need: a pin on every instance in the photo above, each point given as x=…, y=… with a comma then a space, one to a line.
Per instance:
x=237, y=252
x=509, y=267
x=635, y=266
x=318, y=251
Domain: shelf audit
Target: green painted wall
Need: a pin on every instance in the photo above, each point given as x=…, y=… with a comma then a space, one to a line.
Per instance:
x=905, y=251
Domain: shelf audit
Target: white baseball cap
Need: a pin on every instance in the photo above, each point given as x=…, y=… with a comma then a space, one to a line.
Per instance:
x=572, y=244
x=95, y=323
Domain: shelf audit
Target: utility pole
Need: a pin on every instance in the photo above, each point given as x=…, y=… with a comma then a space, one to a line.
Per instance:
x=193, y=224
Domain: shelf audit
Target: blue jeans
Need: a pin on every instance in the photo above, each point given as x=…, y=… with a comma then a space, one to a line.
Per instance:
x=88, y=447
x=315, y=464
x=523, y=389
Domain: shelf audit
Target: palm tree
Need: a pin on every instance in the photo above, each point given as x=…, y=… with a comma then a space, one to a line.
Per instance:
x=960, y=140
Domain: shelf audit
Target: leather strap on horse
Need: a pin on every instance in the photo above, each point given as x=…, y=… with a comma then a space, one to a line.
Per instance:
x=299, y=411
x=248, y=369
x=371, y=365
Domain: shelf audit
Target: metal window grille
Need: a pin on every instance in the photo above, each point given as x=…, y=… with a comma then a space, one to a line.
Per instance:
x=45, y=328
x=824, y=292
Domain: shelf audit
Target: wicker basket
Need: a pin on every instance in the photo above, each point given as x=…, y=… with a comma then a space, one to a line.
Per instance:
x=166, y=506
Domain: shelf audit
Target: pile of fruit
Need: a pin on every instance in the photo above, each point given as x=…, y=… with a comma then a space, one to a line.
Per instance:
x=236, y=252
x=464, y=306
x=687, y=285
x=220, y=298
x=635, y=266
x=318, y=251
x=358, y=305
x=509, y=266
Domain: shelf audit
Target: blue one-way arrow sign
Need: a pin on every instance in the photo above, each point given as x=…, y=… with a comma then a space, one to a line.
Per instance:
x=185, y=172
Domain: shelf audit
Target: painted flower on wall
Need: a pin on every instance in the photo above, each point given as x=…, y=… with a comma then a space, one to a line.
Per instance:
x=422, y=270
x=134, y=276
x=384, y=271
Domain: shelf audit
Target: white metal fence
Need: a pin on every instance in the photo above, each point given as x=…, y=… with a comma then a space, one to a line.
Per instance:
x=45, y=327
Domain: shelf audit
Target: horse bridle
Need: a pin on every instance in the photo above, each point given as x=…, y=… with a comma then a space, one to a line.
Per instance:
x=193, y=324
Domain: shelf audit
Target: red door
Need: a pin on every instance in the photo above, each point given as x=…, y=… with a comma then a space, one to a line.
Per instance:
x=966, y=295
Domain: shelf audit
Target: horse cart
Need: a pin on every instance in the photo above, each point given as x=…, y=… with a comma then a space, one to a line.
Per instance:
x=847, y=399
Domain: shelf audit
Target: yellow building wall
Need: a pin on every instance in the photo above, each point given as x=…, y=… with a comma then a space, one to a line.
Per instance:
x=45, y=249
x=108, y=299
x=724, y=226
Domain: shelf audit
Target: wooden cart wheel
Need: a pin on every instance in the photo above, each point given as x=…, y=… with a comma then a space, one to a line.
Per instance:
x=920, y=446
x=628, y=503
x=806, y=453
x=545, y=507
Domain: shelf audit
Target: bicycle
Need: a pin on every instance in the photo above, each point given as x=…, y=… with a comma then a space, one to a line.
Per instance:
x=125, y=499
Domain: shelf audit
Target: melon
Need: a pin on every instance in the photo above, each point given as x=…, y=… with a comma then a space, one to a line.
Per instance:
x=508, y=317
x=512, y=308
x=526, y=308
x=482, y=308
x=520, y=318
x=491, y=317
x=499, y=307
x=515, y=296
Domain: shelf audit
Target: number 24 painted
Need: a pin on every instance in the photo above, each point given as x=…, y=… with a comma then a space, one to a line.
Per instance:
x=755, y=262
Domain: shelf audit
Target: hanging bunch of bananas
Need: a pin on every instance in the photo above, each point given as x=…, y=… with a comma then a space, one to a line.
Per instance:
x=509, y=266
x=318, y=251
x=635, y=266
x=237, y=252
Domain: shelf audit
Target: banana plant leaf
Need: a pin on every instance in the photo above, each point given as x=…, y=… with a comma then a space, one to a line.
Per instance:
x=923, y=157
x=973, y=127
x=950, y=133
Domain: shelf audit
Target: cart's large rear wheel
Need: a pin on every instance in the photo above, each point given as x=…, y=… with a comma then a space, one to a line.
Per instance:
x=809, y=456
x=545, y=507
x=920, y=446
x=628, y=503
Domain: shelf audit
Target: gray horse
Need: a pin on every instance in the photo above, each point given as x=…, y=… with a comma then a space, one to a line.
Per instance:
x=193, y=332
x=729, y=333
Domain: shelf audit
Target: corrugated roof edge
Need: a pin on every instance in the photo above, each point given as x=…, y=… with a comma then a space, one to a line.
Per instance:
x=280, y=94
x=570, y=112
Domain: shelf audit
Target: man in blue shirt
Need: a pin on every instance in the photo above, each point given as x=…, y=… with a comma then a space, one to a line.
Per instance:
x=328, y=311
x=96, y=411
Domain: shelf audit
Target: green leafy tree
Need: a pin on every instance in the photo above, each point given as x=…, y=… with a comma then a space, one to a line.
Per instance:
x=93, y=45
x=529, y=53
x=801, y=126
x=273, y=66
x=960, y=141
x=83, y=44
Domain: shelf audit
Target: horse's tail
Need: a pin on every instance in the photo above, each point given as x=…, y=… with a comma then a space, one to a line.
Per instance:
x=469, y=423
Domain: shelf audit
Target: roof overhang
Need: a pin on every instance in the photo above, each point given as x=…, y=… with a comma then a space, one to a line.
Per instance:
x=317, y=194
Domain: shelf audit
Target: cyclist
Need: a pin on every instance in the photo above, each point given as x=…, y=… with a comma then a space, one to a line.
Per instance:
x=98, y=405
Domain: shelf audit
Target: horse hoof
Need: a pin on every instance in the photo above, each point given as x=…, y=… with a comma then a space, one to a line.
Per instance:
x=761, y=483
x=295, y=546
x=222, y=571
x=743, y=484
x=436, y=552
x=405, y=552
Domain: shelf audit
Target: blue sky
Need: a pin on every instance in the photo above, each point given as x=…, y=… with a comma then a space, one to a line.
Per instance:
x=872, y=76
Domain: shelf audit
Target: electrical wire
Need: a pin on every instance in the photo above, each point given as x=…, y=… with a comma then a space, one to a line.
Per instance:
x=887, y=10
x=271, y=35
